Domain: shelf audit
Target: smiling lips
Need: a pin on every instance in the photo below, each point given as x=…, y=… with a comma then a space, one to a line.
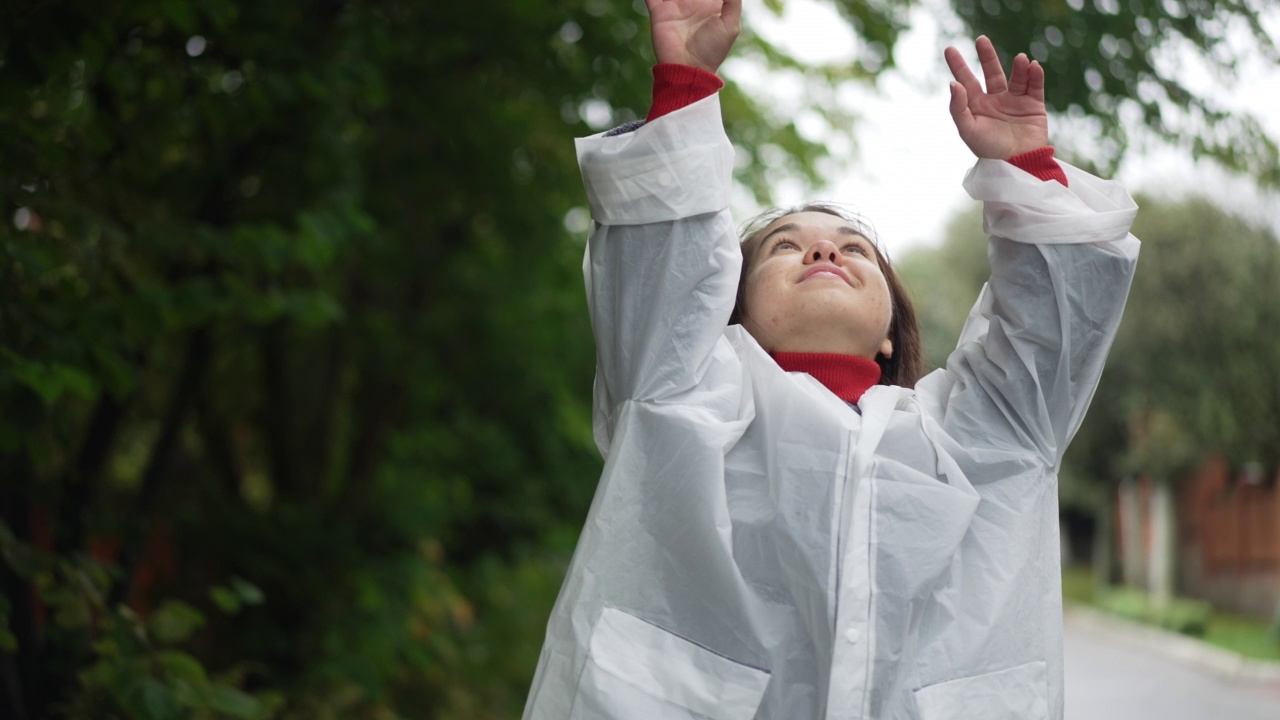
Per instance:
x=825, y=270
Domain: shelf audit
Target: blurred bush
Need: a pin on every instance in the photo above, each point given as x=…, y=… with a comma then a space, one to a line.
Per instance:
x=1181, y=615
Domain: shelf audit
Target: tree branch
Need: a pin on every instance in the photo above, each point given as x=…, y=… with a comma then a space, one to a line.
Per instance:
x=26, y=668
x=277, y=407
x=181, y=398
x=80, y=486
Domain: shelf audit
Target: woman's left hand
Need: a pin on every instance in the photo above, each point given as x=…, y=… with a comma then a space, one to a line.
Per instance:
x=1009, y=118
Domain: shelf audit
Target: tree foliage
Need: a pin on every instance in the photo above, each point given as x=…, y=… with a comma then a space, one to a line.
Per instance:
x=1120, y=71
x=287, y=297
x=294, y=360
x=944, y=282
x=1195, y=360
x=1128, y=65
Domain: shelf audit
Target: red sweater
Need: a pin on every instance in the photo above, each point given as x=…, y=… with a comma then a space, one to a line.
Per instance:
x=848, y=376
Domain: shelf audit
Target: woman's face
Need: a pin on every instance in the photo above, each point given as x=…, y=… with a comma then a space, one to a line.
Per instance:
x=814, y=284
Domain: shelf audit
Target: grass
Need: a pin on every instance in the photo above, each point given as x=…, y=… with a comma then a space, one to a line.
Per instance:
x=1245, y=635
x=1237, y=633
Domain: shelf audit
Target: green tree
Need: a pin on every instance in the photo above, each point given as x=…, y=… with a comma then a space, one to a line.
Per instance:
x=1200, y=340
x=287, y=298
x=1193, y=369
x=944, y=282
x=1125, y=65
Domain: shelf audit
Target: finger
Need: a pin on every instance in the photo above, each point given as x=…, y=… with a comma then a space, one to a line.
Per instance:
x=961, y=72
x=1018, y=77
x=959, y=108
x=1035, y=81
x=991, y=69
x=731, y=13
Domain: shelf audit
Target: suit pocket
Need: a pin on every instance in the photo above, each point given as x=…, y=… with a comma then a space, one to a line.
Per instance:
x=638, y=671
x=1018, y=693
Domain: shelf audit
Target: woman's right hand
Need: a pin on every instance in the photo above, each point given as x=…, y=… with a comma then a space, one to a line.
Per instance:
x=699, y=33
x=1009, y=117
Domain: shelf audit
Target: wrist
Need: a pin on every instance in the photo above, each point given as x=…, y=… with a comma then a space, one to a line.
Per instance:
x=687, y=61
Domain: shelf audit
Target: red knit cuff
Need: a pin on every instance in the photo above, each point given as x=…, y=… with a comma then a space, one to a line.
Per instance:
x=675, y=86
x=1040, y=162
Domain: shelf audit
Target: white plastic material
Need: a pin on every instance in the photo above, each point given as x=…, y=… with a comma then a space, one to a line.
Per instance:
x=672, y=669
x=759, y=549
x=1013, y=694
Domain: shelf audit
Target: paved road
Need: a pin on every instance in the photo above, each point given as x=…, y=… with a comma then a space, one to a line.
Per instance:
x=1110, y=679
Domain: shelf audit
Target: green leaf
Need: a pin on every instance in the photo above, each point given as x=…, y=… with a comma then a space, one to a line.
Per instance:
x=49, y=380
x=221, y=13
x=28, y=562
x=249, y=593
x=71, y=610
x=181, y=666
x=158, y=700
x=315, y=245
x=8, y=643
x=174, y=622
x=181, y=14
x=235, y=703
x=106, y=647
x=226, y=600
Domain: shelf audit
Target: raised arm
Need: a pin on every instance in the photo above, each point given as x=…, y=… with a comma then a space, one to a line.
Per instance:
x=662, y=262
x=1062, y=261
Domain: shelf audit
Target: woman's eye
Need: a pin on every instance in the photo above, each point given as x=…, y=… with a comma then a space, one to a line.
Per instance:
x=856, y=248
x=785, y=244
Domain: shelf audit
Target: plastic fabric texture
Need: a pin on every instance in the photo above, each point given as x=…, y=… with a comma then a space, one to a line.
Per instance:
x=758, y=549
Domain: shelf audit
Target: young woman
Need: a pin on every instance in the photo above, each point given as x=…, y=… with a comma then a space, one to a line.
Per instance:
x=785, y=527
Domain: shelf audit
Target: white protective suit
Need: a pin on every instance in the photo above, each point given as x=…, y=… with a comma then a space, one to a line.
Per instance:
x=757, y=548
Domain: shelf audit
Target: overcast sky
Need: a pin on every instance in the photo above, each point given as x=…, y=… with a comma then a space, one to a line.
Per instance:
x=905, y=173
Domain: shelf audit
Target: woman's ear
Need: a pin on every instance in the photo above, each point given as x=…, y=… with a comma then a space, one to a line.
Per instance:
x=886, y=348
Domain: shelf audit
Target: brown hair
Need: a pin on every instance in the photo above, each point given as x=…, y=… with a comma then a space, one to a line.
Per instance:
x=907, y=364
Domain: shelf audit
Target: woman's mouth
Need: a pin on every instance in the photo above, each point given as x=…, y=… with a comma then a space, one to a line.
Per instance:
x=825, y=271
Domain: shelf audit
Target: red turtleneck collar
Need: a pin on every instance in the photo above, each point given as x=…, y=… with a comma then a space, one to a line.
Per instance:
x=848, y=376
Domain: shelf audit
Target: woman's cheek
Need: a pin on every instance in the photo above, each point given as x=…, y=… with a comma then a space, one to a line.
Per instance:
x=758, y=298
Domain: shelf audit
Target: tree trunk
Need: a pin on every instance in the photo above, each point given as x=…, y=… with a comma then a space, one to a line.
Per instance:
x=81, y=486
x=1132, y=550
x=24, y=675
x=157, y=470
x=1103, y=546
x=1163, y=523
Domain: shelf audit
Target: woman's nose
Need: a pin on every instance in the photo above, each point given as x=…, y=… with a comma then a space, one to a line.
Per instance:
x=822, y=250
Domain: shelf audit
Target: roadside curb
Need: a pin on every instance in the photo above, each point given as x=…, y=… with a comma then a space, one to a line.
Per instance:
x=1209, y=658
